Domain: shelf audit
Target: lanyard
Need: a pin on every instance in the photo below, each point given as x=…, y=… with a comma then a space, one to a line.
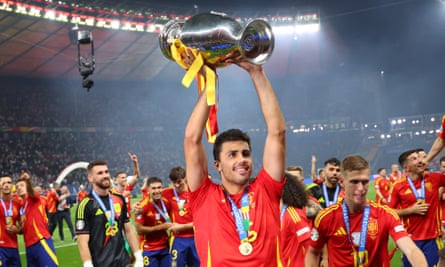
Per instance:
x=283, y=211
x=179, y=201
x=363, y=230
x=419, y=194
x=108, y=213
x=326, y=196
x=8, y=212
x=23, y=209
x=163, y=212
x=241, y=216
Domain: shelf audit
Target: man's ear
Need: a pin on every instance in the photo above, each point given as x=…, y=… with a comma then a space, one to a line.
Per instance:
x=217, y=165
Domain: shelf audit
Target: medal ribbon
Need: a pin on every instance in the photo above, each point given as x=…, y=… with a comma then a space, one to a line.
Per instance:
x=210, y=79
x=8, y=212
x=163, y=212
x=179, y=201
x=326, y=195
x=23, y=209
x=420, y=195
x=241, y=216
x=363, y=231
x=104, y=209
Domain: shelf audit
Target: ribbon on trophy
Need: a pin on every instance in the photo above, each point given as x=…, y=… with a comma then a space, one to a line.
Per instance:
x=209, y=80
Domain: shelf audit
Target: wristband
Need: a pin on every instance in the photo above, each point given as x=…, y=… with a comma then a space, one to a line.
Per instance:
x=88, y=264
x=138, y=256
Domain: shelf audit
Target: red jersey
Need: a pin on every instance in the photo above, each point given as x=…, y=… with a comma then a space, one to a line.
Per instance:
x=441, y=133
x=418, y=226
x=126, y=193
x=180, y=209
x=329, y=227
x=35, y=222
x=81, y=195
x=384, y=186
x=393, y=177
x=12, y=208
x=295, y=236
x=51, y=201
x=150, y=216
x=216, y=236
x=145, y=193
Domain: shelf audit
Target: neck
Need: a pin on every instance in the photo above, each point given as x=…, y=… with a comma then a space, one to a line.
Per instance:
x=6, y=196
x=101, y=192
x=329, y=184
x=233, y=189
x=413, y=176
x=355, y=208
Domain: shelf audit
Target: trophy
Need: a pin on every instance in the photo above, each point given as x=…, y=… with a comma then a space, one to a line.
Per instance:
x=220, y=39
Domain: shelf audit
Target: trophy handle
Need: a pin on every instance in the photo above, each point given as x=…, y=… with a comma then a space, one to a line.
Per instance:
x=170, y=32
x=257, y=41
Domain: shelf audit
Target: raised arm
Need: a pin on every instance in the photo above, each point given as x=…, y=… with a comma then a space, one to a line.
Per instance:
x=314, y=168
x=435, y=149
x=136, y=170
x=274, y=157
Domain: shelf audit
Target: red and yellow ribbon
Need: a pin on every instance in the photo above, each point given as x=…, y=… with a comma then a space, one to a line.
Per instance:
x=208, y=81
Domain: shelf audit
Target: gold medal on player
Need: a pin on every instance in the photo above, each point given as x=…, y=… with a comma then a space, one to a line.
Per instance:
x=8, y=220
x=421, y=201
x=181, y=212
x=245, y=248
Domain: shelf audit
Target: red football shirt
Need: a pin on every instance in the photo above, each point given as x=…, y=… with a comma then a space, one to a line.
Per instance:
x=384, y=185
x=329, y=227
x=295, y=236
x=51, y=201
x=8, y=240
x=418, y=226
x=216, y=236
x=35, y=222
x=81, y=195
x=150, y=216
x=177, y=216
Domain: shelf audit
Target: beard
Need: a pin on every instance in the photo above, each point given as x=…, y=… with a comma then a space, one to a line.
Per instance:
x=103, y=184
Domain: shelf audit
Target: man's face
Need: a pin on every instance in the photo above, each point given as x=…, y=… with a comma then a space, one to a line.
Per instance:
x=394, y=168
x=180, y=185
x=21, y=188
x=100, y=176
x=356, y=184
x=414, y=164
x=235, y=164
x=121, y=179
x=6, y=185
x=297, y=174
x=332, y=173
x=155, y=190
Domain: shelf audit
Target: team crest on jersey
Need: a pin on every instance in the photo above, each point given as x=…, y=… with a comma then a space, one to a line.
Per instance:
x=373, y=228
x=80, y=224
x=314, y=235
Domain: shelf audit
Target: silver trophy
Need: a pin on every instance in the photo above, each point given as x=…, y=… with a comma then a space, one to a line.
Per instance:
x=220, y=38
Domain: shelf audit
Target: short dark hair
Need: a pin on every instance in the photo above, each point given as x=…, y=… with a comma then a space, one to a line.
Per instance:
x=354, y=162
x=380, y=169
x=334, y=161
x=153, y=179
x=227, y=136
x=176, y=173
x=95, y=163
x=442, y=159
x=405, y=155
x=294, y=168
x=119, y=172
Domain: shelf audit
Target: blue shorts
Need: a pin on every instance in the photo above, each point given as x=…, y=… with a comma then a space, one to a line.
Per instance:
x=156, y=258
x=183, y=252
x=42, y=253
x=10, y=257
x=429, y=248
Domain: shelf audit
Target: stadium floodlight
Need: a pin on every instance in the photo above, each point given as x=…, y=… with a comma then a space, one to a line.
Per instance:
x=307, y=22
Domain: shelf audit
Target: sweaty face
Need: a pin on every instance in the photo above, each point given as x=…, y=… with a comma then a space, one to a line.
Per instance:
x=332, y=173
x=100, y=177
x=235, y=163
x=356, y=184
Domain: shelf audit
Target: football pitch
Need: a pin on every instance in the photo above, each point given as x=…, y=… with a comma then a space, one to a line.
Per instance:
x=68, y=254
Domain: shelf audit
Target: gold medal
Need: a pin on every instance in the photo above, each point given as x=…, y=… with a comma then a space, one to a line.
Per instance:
x=245, y=248
x=8, y=220
x=181, y=213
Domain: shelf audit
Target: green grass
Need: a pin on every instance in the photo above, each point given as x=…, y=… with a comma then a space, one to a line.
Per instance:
x=68, y=254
